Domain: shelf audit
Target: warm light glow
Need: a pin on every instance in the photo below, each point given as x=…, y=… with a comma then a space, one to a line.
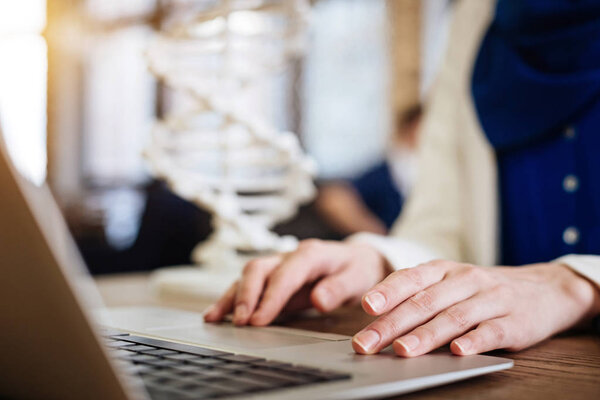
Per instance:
x=23, y=87
x=22, y=16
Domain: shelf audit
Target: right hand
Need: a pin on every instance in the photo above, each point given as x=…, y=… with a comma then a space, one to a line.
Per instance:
x=324, y=274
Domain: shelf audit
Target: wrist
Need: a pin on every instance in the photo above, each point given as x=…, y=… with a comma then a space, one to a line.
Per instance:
x=583, y=290
x=380, y=262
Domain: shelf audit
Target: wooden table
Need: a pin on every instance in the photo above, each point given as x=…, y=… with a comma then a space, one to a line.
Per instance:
x=565, y=367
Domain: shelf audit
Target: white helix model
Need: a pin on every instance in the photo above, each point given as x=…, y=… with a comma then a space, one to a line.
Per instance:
x=214, y=146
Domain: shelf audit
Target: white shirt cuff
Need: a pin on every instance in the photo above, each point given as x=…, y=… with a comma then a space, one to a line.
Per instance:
x=400, y=253
x=586, y=265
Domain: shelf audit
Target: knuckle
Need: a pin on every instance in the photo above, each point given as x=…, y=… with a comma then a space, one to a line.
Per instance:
x=414, y=275
x=387, y=327
x=503, y=291
x=437, y=263
x=279, y=277
x=386, y=288
x=310, y=245
x=458, y=316
x=426, y=334
x=252, y=267
x=473, y=273
x=423, y=302
x=442, y=263
x=469, y=271
x=497, y=331
x=338, y=288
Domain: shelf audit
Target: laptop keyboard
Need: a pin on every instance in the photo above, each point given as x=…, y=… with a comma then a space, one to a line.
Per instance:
x=177, y=371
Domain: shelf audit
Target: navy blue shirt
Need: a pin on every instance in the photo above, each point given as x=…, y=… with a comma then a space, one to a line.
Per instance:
x=550, y=195
x=536, y=90
x=378, y=191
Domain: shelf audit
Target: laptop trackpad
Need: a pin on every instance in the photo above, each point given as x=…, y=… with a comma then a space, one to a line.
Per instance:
x=189, y=327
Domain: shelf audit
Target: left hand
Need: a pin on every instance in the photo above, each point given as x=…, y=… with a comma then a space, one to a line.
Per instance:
x=477, y=309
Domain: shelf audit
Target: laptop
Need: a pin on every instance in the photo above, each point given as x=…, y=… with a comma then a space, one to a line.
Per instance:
x=58, y=342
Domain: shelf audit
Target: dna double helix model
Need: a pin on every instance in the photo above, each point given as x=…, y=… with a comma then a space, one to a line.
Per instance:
x=214, y=145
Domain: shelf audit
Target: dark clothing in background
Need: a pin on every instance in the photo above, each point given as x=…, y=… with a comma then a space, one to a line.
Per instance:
x=378, y=191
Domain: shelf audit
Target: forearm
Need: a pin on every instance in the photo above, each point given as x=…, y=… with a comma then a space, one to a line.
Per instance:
x=344, y=211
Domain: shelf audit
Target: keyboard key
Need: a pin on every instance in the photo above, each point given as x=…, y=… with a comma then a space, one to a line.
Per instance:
x=243, y=379
x=139, y=369
x=201, y=392
x=118, y=343
x=164, y=382
x=186, y=369
x=182, y=357
x=123, y=354
x=157, y=362
x=139, y=358
x=240, y=358
x=300, y=369
x=158, y=391
x=140, y=348
x=209, y=392
x=189, y=386
x=175, y=346
x=330, y=375
x=277, y=377
x=212, y=373
x=243, y=386
x=159, y=352
x=271, y=364
x=205, y=362
x=222, y=389
x=235, y=366
x=165, y=374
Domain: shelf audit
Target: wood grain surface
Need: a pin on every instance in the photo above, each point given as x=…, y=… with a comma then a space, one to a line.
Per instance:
x=564, y=367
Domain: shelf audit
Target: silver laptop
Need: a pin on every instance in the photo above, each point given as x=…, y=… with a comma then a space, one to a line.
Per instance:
x=55, y=343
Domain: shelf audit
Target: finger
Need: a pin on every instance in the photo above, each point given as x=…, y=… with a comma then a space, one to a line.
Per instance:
x=489, y=335
x=414, y=311
x=222, y=307
x=400, y=285
x=451, y=323
x=300, y=300
x=305, y=265
x=251, y=286
x=334, y=290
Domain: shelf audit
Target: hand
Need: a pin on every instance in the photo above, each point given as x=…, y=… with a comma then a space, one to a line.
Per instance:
x=477, y=309
x=324, y=274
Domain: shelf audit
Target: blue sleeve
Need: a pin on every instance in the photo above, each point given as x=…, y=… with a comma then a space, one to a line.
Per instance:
x=378, y=191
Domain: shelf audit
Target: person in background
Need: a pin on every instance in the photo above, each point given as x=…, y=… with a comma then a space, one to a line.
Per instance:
x=499, y=244
x=372, y=201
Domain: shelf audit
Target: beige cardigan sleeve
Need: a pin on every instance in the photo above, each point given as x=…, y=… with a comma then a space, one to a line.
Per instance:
x=431, y=224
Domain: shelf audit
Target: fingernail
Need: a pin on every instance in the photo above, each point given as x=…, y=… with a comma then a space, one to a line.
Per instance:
x=241, y=313
x=367, y=340
x=409, y=343
x=209, y=309
x=376, y=301
x=256, y=318
x=463, y=344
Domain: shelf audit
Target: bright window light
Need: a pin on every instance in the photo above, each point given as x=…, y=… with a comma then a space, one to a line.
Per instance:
x=22, y=16
x=23, y=87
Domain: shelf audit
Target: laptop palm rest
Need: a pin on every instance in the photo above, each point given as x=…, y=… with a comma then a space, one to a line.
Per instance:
x=188, y=327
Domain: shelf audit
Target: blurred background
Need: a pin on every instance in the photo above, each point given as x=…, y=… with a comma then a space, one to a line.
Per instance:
x=77, y=104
